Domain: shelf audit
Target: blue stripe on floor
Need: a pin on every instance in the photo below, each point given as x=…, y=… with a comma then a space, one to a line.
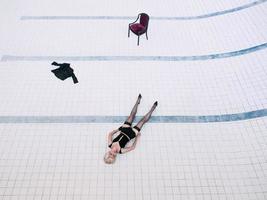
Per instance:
x=120, y=119
x=135, y=58
x=213, y=14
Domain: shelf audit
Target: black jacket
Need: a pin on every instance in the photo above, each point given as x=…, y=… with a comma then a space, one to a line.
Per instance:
x=64, y=71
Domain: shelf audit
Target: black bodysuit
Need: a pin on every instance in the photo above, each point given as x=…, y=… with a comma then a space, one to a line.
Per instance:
x=125, y=136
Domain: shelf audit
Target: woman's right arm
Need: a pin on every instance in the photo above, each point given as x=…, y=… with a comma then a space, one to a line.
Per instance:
x=110, y=136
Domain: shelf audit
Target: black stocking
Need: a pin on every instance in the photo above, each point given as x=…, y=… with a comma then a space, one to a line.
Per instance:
x=147, y=116
x=134, y=110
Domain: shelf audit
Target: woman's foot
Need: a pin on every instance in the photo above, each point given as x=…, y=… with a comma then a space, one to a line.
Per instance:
x=139, y=98
x=154, y=106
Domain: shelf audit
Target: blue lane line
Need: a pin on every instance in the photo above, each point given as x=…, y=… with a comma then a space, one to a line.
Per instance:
x=134, y=17
x=134, y=58
x=120, y=119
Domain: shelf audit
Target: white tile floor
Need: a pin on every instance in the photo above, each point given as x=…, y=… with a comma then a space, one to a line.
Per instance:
x=225, y=160
x=172, y=161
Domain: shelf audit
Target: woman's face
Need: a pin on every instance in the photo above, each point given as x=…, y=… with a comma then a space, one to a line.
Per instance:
x=113, y=152
x=110, y=157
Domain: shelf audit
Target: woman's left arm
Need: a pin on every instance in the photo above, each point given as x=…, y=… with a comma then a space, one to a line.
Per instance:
x=127, y=149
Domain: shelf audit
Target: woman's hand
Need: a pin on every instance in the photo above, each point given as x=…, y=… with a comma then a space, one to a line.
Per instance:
x=127, y=149
x=137, y=138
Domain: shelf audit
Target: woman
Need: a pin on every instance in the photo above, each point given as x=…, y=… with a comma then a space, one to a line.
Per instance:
x=127, y=133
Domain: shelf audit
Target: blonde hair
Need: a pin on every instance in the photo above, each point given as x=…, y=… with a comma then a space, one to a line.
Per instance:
x=109, y=159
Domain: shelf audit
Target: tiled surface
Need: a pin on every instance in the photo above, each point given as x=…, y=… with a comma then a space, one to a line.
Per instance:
x=172, y=161
x=110, y=88
x=192, y=17
x=183, y=38
x=105, y=7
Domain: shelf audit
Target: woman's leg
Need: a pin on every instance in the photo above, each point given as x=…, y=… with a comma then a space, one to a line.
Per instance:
x=147, y=116
x=134, y=110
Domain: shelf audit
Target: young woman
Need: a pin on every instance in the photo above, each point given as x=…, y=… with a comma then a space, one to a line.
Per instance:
x=126, y=133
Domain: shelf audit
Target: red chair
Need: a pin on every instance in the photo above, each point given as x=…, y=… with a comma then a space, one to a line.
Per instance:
x=141, y=27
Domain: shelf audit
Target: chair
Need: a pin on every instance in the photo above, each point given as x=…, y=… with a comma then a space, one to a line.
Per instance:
x=141, y=27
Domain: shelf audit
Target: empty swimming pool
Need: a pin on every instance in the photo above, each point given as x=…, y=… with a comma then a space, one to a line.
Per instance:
x=205, y=63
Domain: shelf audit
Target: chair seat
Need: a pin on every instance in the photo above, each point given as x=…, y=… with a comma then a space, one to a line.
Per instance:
x=137, y=28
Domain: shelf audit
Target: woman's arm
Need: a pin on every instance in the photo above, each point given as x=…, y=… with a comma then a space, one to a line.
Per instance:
x=127, y=149
x=110, y=136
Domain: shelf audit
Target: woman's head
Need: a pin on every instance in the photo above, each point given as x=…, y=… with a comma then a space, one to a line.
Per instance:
x=110, y=157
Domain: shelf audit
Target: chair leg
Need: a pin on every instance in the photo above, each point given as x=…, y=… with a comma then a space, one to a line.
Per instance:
x=138, y=41
x=146, y=36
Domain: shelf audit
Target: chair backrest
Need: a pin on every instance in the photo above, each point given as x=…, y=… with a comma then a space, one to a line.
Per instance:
x=144, y=18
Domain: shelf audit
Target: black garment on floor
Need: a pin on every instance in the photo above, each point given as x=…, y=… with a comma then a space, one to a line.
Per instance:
x=64, y=71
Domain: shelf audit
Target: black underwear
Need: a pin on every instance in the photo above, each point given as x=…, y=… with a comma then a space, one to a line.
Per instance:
x=127, y=133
